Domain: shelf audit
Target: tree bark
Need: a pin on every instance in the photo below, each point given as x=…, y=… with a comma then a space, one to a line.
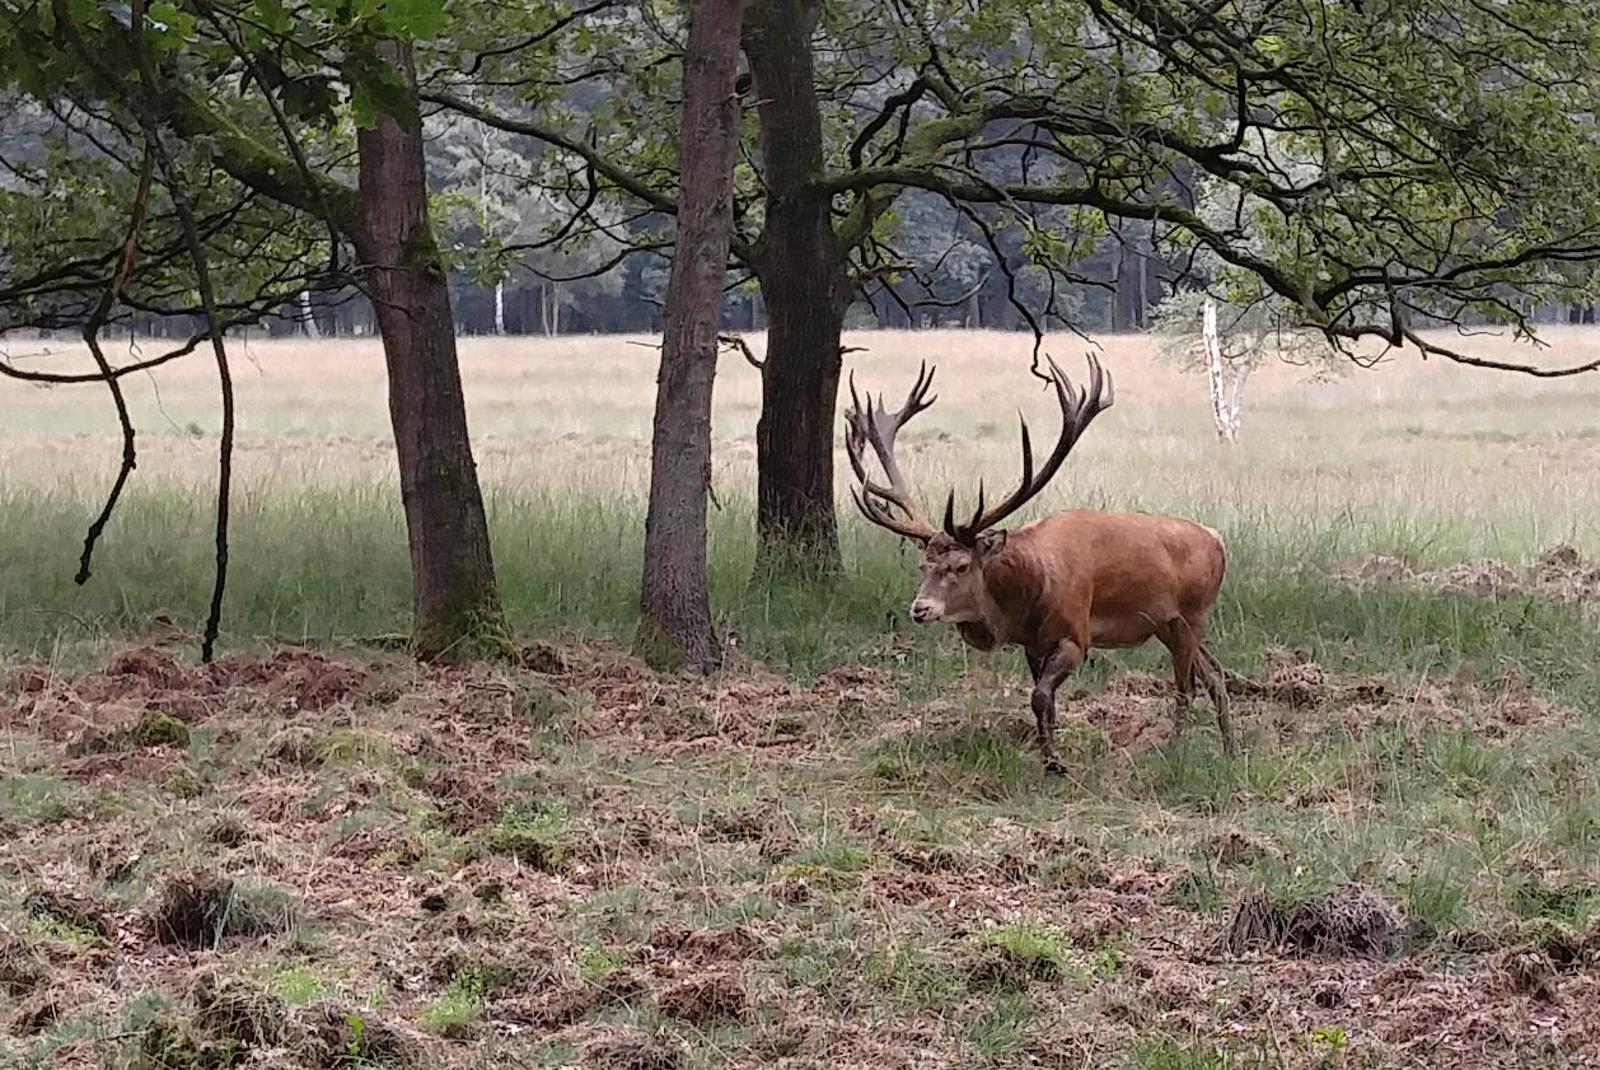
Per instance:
x=805, y=288
x=1226, y=383
x=454, y=594
x=676, y=627
x=308, y=316
x=500, y=306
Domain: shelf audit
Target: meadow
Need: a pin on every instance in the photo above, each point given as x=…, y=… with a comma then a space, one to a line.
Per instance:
x=842, y=850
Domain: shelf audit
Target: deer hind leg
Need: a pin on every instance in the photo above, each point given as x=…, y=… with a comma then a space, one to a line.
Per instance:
x=1216, y=685
x=1040, y=718
x=1180, y=640
x=1049, y=669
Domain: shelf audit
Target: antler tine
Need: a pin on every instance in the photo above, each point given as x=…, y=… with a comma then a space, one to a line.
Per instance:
x=876, y=424
x=916, y=400
x=1079, y=406
x=977, y=514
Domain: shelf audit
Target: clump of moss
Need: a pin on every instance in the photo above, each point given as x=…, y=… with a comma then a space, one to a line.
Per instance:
x=158, y=729
x=184, y=783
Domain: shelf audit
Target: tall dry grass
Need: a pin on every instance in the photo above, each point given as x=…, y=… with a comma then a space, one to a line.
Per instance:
x=1429, y=460
x=1464, y=460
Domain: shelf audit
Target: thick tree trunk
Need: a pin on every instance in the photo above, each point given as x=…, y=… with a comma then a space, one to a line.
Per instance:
x=676, y=628
x=455, y=600
x=794, y=437
x=805, y=289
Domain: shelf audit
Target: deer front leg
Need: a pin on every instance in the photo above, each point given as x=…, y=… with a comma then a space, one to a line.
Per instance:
x=1049, y=669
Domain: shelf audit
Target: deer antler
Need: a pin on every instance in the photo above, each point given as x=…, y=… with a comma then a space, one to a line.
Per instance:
x=1078, y=410
x=875, y=424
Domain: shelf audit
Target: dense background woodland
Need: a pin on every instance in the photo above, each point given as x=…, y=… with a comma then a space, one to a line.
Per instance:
x=437, y=630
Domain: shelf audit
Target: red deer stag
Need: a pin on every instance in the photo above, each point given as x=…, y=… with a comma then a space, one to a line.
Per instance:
x=1060, y=586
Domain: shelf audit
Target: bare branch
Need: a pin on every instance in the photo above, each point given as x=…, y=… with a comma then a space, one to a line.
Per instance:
x=91, y=337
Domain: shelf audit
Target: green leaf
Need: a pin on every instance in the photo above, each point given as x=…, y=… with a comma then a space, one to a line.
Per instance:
x=273, y=16
x=170, y=21
x=414, y=19
x=376, y=89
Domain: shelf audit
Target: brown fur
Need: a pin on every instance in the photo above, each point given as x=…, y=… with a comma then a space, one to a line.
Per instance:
x=1079, y=580
x=1062, y=586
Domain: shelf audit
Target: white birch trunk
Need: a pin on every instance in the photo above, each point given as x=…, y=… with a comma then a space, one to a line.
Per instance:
x=308, y=321
x=1224, y=410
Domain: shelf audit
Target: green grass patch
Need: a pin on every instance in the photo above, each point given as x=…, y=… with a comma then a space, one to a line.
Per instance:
x=458, y=1006
x=534, y=833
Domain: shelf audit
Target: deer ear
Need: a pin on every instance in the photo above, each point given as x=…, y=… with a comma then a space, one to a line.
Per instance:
x=990, y=543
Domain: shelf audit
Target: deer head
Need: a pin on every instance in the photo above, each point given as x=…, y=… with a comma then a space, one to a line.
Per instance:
x=953, y=558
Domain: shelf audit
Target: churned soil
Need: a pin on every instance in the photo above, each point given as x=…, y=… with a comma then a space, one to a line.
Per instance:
x=349, y=860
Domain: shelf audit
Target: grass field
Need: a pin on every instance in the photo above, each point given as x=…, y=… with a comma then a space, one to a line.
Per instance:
x=842, y=851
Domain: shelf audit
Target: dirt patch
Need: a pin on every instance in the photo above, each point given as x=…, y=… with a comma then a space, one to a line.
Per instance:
x=704, y=1000
x=753, y=708
x=632, y=1049
x=555, y=1008
x=1355, y=919
x=150, y=668
x=79, y=913
x=1543, y=953
x=696, y=869
x=680, y=941
x=304, y=679
x=200, y=910
x=21, y=968
x=237, y=1011
x=333, y=1037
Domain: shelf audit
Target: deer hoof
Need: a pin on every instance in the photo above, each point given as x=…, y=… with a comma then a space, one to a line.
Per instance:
x=1055, y=767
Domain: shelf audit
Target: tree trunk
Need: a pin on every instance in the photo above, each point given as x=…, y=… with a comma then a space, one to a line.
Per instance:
x=1227, y=398
x=551, y=312
x=454, y=596
x=676, y=628
x=308, y=316
x=500, y=306
x=1143, y=295
x=805, y=289
x=795, y=520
